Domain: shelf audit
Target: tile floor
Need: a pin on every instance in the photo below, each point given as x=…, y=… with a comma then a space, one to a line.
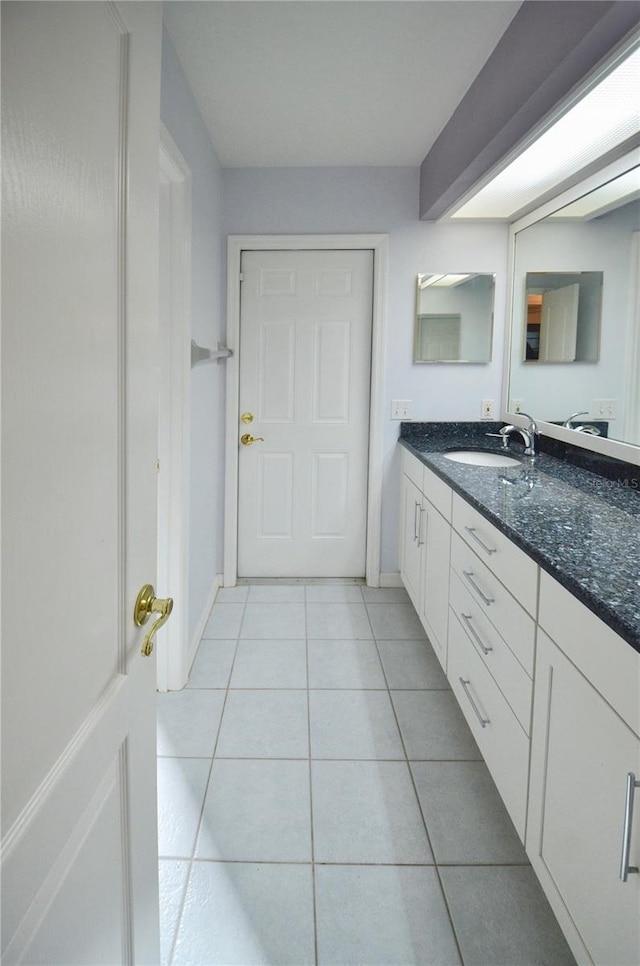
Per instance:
x=321, y=799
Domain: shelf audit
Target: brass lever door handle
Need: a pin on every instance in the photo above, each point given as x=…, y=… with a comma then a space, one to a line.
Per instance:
x=247, y=439
x=146, y=605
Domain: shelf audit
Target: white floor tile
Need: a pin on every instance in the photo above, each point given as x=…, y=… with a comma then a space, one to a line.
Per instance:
x=367, y=812
x=276, y=593
x=212, y=665
x=269, y=621
x=395, y=622
x=182, y=783
x=231, y=595
x=224, y=622
x=433, y=726
x=353, y=724
x=188, y=722
x=257, y=811
x=344, y=664
x=337, y=621
x=173, y=881
x=382, y=915
x=238, y=914
x=412, y=665
x=334, y=594
x=264, y=724
x=270, y=664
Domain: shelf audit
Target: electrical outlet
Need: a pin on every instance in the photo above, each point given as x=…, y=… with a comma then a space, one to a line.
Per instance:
x=604, y=408
x=488, y=409
x=517, y=406
x=401, y=409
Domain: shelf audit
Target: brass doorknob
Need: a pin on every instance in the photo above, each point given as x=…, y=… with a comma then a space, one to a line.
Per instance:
x=247, y=439
x=146, y=605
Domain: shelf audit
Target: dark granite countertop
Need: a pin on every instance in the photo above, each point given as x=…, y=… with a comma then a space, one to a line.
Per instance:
x=583, y=528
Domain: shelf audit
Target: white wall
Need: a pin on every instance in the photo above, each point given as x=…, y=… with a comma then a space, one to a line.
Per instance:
x=334, y=200
x=184, y=122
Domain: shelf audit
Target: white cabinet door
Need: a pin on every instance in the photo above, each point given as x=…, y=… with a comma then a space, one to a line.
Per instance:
x=581, y=755
x=80, y=115
x=434, y=598
x=410, y=539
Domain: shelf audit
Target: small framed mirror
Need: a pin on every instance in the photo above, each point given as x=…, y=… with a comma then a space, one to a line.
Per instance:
x=454, y=318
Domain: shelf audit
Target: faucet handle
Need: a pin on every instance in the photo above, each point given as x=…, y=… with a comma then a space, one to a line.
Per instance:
x=531, y=428
x=567, y=423
x=502, y=436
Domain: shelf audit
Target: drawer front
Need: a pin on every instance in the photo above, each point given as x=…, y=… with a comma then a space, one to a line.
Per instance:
x=501, y=740
x=512, y=679
x=515, y=569
x=612, y=665
x=495, y=602
x=437, y=492
x=412, y=468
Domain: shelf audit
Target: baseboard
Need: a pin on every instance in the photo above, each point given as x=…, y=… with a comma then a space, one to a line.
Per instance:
x=391, y=580
x=202, y=623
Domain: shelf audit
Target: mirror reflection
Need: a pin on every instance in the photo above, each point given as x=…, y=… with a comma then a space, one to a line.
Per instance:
x=588, y=253
x=562, y=322
x=454, y=318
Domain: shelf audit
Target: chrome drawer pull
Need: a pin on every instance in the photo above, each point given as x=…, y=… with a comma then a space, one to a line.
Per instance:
x=472, y=533
x=415, y=520
x=465, y=687
x=625, y=868
x=420, y=540
x=483, y=647
x=469, y=575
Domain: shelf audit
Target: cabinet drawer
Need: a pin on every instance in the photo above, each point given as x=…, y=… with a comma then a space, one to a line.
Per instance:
x=437, y=492
x=515, y=569
x=611, y=664
x=507, y=672
x=412, y=468
x=495, y=602
x=501, y=740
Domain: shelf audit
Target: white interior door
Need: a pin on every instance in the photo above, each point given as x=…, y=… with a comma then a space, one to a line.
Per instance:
x=559, y=324
x=80, y=108
x=305, y=364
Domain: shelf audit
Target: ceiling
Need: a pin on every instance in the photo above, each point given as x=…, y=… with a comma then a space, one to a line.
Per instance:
x=331, y=82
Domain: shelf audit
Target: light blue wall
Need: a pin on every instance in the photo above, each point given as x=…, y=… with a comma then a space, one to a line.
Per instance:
x=335, y=200
x=182, y=119
x=315, y=201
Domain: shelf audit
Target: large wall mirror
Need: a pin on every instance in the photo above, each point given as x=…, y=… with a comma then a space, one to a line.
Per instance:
x=454, y=318
x=583, y=261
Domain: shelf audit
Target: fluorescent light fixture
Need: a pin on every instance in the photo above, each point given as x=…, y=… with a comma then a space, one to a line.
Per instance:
x=604, y=118
x=442, y=281
x=619, y=191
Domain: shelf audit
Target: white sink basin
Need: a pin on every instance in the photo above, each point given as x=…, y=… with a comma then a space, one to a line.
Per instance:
x=477, y=458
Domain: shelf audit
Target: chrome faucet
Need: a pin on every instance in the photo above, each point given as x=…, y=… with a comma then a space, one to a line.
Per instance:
x=586, y=428
x=528, y=435
x=567, y=423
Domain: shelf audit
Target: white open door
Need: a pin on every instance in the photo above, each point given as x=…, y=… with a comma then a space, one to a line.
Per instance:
x=80, y=109
x=559, y=324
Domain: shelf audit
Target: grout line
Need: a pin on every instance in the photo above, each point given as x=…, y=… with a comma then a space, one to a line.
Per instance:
x=424, y=822
x=206, y=791
x=313, y=863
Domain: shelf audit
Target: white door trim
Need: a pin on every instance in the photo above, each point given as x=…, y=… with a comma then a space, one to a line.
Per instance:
x=379, y=244
x=175, y=374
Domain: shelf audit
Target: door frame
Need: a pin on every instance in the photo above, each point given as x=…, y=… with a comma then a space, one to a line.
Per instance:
x=173, y=431
x=236, y=244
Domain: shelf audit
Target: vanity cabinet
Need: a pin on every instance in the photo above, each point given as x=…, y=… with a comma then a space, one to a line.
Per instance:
x=425, y=548
x=491, y=649
x=585, y=744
